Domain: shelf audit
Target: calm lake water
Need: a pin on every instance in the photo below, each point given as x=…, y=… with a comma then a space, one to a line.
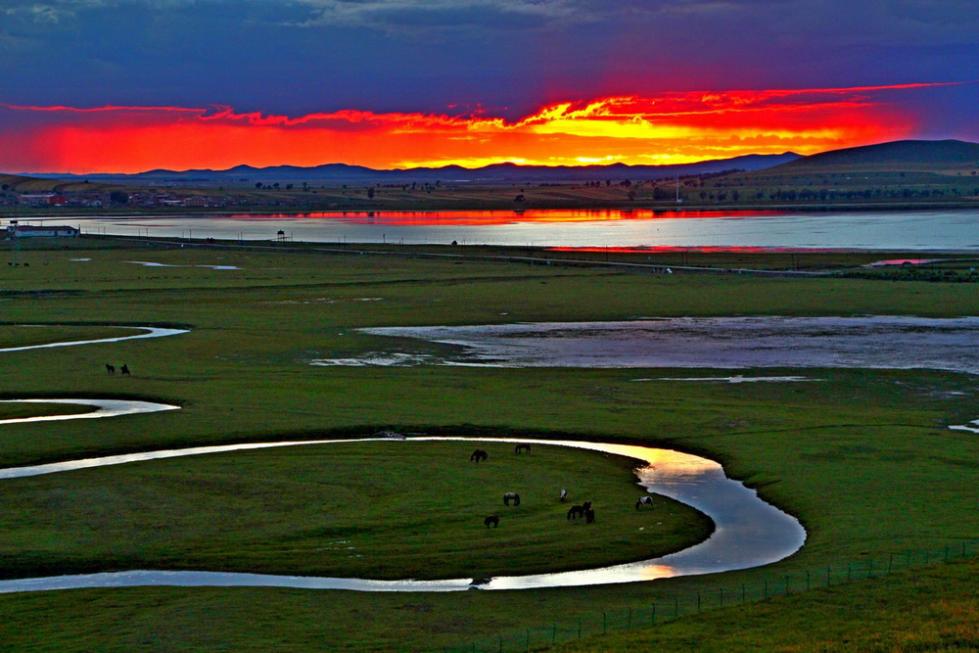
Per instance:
x=890, y=342
x=905, y=230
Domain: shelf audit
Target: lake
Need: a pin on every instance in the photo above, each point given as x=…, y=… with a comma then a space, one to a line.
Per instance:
x=897, y=230
x=890, y=342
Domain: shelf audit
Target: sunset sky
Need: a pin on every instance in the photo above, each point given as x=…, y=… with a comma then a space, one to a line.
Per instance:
x=129, y=85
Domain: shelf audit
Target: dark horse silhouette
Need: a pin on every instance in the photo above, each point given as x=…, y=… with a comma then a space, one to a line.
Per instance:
x=520, y=448
x=644, y=500
x=511, y=496
x=478, y=456
x=579, y=511
x=492, y=520
x=125, y=370
x=111, y=369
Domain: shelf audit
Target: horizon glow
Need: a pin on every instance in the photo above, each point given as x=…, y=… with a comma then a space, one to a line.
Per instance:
x=652, y=129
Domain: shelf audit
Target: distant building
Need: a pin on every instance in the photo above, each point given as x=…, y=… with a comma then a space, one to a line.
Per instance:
x=15, y=230
x=196, y=201
x=36, y=199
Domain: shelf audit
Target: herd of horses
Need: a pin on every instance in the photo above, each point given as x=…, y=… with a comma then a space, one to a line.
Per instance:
x=582, y=511
x=111, y=369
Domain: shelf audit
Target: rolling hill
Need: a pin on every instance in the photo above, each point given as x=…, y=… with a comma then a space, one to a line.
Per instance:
x=340, y=173
x=911, y=155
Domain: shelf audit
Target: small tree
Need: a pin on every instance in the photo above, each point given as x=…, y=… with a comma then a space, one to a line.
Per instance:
x=119, y=197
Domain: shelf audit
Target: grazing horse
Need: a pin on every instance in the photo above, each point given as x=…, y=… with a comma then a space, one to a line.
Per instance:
x=579, y=511
x=492, y=520
x=125, y=370
x=478, y=456
x=111, y=369
x=520, y=448
x=589, y=516
x=644, y=500
x=564, y=495
x=511, y=496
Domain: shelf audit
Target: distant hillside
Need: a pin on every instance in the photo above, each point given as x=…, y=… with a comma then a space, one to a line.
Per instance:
x=936, y=156
x=339, y=173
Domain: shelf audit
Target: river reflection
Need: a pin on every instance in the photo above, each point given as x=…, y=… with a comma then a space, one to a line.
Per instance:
x=898, y=230
x=748, y=531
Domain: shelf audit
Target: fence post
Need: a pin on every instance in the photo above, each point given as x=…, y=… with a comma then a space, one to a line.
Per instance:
x=652, y=618
x=808, y=586
x=698, y=600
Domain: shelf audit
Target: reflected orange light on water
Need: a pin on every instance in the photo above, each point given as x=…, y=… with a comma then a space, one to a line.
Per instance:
x=497, y=217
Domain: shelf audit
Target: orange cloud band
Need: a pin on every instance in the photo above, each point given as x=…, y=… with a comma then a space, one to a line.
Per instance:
x=677, y=127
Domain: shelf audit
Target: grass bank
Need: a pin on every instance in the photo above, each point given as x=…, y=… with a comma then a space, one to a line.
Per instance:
x=862, y=457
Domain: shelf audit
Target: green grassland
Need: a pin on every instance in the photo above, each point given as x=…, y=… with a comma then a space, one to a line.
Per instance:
x=862, y=457
x=931, y=609
x=340, y=510
x=19, y=411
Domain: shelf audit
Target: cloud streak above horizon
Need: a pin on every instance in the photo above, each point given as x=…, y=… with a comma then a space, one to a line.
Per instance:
x=660, y=128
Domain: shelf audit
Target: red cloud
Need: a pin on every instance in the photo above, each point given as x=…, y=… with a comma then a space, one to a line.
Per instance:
x=664, y=128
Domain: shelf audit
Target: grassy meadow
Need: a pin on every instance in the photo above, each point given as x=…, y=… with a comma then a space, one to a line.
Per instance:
x=862, y=457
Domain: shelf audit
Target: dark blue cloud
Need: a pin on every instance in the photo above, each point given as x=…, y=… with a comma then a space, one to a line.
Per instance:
x=297, y=56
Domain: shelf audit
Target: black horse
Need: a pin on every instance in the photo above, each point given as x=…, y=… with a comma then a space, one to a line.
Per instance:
x=478, y=456
x=111, y=369
x=492, y=520
x=520, y=448
x=125, y=370
x=511, y=496
x=579, y=511
x=589, y=516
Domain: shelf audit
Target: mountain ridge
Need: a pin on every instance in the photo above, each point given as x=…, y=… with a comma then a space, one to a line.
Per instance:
x=498, y=172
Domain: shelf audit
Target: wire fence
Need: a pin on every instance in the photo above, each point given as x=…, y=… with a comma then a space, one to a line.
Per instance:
x=664, y=609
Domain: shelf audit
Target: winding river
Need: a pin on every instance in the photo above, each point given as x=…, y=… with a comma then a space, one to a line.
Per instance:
x=748, y=531
x=102, y=408
x=144, y=332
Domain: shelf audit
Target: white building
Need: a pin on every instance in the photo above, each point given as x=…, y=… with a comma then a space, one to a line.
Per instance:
x=15, y=230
